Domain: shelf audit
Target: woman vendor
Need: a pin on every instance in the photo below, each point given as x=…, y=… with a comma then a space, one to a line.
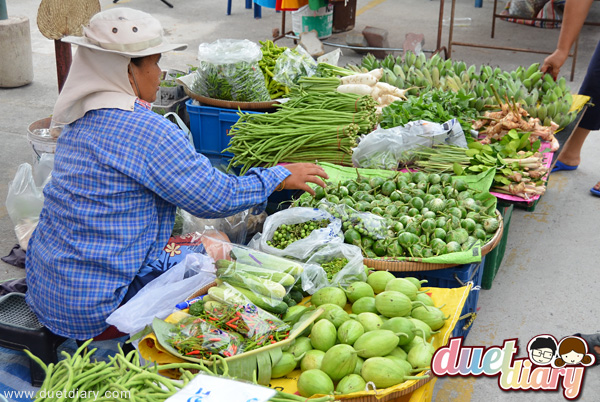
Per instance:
x=120, y=172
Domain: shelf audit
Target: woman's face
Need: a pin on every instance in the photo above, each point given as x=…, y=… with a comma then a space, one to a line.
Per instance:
x=147, y=76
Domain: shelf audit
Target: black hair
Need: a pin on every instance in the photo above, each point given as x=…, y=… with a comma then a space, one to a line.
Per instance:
x=137, y=61
x=543, y=343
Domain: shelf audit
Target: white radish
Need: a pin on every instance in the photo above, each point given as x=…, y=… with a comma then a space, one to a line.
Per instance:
x=377, y=73
x=388, y=99
x=357, y=89
x=362, y=79
x=386, y=88
x=376, y=93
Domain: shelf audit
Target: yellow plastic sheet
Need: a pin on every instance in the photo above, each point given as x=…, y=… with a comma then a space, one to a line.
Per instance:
x=454, y=300
x=579, y=102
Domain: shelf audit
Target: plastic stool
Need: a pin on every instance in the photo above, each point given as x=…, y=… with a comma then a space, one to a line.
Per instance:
x=249, y=4
x=20, y=329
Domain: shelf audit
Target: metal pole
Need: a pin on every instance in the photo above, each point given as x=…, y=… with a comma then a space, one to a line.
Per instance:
x=3, y=12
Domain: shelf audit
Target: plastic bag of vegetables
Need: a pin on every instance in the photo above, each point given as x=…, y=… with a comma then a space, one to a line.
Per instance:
x=394, y=147
x=292, y=65
x=334, y=264
x=298, y=233
x=229, y=70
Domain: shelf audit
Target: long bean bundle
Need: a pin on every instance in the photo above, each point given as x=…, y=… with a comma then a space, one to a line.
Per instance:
x=123, y=378
x=311, y=127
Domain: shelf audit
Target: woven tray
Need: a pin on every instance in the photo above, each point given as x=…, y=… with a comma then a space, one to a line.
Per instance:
x=417, y=264
x=257, y=106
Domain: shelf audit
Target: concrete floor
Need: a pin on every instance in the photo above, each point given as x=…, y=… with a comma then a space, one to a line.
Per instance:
x=547, y=281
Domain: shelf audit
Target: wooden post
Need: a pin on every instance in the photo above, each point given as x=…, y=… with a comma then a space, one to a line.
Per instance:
x=63, y=61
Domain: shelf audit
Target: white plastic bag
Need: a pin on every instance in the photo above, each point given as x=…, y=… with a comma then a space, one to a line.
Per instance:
x=159, y=297
x=24, y=203
x=314, y=276
x=304, y=248
x=389, y=148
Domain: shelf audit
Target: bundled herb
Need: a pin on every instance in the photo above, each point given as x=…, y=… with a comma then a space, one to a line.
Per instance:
x=436, y=106
x=518, y=162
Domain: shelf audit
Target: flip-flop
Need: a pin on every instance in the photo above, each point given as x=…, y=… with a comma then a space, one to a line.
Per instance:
x=558, y=166
x=595, y=192
x=592, y=340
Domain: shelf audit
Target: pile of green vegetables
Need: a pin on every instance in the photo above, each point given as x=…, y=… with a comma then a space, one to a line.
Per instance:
x=436, y=105
x=285, y=235
x=334, y=266
x=271, y=53
x=386, y=339
x=411, y=215
x=539, y=94
x=311, y=127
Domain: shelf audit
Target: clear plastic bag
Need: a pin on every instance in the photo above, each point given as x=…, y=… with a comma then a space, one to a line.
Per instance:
x=228, y=329
x=160, y=296
x=25, y=200
x=195, y=337
x=229, y=70
x=394, y=147
x=235, y=226
x=252, y=270
x=376, y=226
x=301, y=249
x=293, y=64
x=346, y=257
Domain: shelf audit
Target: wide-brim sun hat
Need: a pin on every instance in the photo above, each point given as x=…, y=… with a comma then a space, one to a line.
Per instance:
x=124, y=31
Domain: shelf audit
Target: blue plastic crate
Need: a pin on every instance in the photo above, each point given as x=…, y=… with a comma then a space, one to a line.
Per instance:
x=210, y=125
x=455, y=277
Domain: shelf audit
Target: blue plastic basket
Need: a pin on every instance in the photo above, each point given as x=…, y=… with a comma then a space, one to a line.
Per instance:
x=455, y=277
x=209, y=126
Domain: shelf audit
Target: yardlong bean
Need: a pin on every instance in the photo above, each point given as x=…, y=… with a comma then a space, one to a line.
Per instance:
x=126, y=379
x=308, y=127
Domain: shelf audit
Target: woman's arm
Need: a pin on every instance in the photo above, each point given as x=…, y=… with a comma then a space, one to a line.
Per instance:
x=574, y=16
x=181, y=176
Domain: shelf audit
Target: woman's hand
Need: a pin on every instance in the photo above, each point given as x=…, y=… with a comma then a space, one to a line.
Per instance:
x=554, y=62
x=303, y=173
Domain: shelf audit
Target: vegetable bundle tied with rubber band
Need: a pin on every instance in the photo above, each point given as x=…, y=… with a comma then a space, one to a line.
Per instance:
x=311, y=127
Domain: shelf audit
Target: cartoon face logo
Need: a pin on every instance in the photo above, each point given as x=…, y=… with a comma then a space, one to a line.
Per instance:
x=542, y=349
x=573, y=351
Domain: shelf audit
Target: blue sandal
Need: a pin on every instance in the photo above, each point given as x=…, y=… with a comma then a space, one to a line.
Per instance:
x=595, y=192
x=558, y=166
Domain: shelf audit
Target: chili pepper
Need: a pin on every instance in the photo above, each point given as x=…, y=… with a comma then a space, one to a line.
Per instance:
x=193, y=352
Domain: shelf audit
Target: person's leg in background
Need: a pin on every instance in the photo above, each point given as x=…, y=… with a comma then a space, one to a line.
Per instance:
x=570, y=155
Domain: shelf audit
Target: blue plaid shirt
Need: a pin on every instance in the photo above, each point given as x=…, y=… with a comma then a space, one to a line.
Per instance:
x=110, y=208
